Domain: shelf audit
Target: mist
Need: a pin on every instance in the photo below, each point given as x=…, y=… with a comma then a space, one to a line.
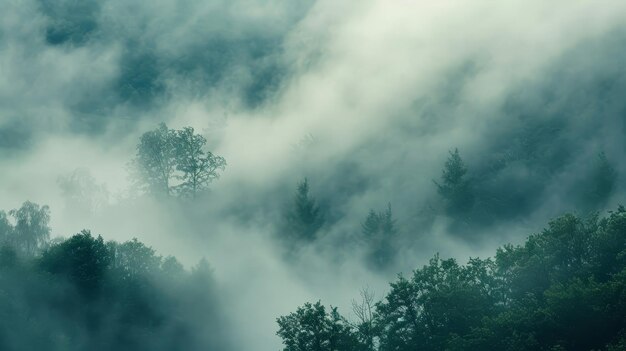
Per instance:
x=364, y=99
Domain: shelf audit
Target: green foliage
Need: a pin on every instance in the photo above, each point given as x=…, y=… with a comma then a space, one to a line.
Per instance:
x=563, y=289
x=173, y=162
x=312, y=328
x=155, y=161
x=304, y=219
x=133, y=259
x=455, y=188
x=442, y=299
x=83, y=259
x=197, y=168
x=84, y=294
x=379, y=232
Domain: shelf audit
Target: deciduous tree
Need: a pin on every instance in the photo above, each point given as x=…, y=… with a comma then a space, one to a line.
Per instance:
x=197, y=167
x=32, y=228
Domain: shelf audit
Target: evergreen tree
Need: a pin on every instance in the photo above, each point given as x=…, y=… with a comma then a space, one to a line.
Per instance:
x=379, y=232
x=304, y=219
x=371, y=226
x=455, y=188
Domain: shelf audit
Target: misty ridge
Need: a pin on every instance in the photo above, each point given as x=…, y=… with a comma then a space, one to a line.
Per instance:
x=313, y=175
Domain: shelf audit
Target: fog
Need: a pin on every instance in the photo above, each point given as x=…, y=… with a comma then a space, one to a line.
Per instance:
x=364, y=98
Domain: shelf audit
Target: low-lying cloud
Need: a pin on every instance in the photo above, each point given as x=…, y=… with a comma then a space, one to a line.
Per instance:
x=364, y=98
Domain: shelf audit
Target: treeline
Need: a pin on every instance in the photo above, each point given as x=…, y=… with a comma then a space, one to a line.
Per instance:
x=304, y=221
x=171, y=163
x=476, y=200
x=563, y=289
x=467, y=202
x=83, y=293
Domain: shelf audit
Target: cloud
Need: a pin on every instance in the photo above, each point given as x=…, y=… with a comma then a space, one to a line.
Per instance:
x=364, y=98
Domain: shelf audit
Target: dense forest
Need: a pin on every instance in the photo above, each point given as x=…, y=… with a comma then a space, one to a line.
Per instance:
x=82, y=293
x=562, y=289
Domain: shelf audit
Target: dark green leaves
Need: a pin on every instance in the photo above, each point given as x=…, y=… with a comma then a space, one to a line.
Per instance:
x=313, y=328
x=563, y=289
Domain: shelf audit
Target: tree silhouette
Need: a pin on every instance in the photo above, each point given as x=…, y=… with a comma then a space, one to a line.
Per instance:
x=304, y=219
x=6, y=229
x=455, y=188
x=562, y=289
x=32, y=228
x=155, y=161
x=379, y=232
x=197, y=168
x=312, y=328
x=174, y=162
x=82, y=258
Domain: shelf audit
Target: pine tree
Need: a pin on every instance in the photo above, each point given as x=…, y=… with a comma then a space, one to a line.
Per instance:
x=455, y=188
x=379, y=232
x=304, y=219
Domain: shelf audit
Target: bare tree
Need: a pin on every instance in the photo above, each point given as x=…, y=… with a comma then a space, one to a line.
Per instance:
x=364, y=312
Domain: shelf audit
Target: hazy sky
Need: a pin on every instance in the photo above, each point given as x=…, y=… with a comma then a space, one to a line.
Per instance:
x=365, y=98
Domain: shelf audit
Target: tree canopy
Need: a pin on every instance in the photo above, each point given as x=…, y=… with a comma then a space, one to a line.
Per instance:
x=83, y=293
x=563, y=289
x=31, y=229
x=174, y=162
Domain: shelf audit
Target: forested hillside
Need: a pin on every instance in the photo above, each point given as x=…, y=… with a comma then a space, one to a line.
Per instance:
x=562, y=289
x=85, y=293
x=371, y=174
